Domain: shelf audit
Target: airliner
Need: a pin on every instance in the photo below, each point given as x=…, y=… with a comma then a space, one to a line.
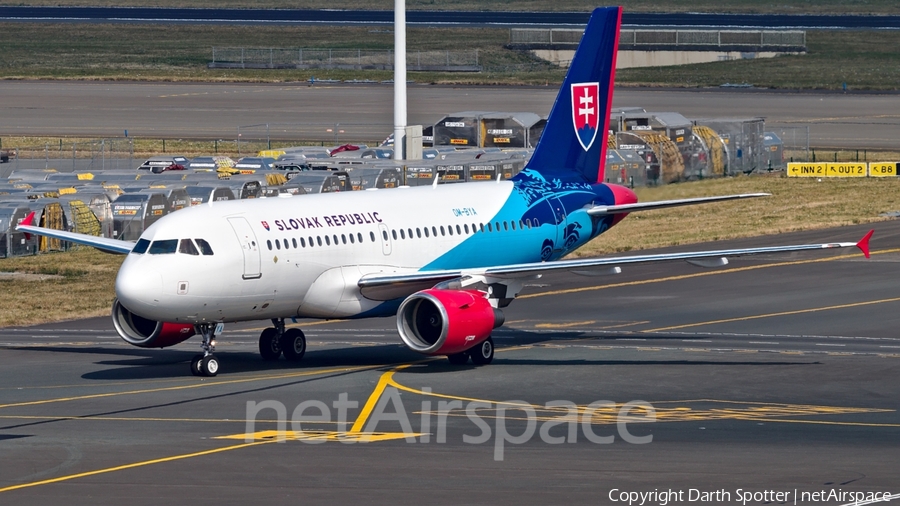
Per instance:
x=445, y=259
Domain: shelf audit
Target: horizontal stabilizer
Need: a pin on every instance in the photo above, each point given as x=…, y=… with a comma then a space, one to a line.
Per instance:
x=663, y=204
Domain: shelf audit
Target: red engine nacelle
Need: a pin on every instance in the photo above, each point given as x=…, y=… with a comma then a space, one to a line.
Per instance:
x=146, y=333
x=444, y=322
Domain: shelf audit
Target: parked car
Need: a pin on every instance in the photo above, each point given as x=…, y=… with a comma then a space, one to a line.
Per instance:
x=255, y=163
x=211, y=162
x=163, y=162
x=291, y=167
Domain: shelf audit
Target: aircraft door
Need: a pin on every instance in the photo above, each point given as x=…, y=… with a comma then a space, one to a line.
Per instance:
x=249, y=246
x=385, y=239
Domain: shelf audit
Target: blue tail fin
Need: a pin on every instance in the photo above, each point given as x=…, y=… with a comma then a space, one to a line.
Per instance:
x=574, y=139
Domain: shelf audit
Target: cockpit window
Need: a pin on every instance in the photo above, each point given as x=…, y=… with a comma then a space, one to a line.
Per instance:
x=187, y=247
x=205, y=248
x=141, y=247
x=163, y=247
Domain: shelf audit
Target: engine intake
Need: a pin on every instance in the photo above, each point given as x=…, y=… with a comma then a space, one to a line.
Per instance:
x=444, y=322
x=145, y=333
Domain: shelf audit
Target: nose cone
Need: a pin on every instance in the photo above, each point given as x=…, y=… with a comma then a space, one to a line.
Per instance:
x=622, y=195
x=138, y=289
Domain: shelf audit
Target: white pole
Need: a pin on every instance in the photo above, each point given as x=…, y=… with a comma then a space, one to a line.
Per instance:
x=399, y=78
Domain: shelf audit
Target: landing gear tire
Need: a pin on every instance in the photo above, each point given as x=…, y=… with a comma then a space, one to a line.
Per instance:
x=209, y=365
x=206, y=364
x=269, y=344
x=195, y=365
x=293, y=344
x=459, y=358
x=483, y=354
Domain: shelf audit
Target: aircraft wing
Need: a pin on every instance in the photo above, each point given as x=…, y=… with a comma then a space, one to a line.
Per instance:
x=101, y=243
x=380, y=286
x=663, y=204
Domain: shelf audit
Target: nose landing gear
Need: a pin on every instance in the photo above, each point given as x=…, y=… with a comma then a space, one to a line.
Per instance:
x=206, y=364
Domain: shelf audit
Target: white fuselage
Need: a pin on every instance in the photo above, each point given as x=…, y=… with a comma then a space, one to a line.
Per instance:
x=304, y=255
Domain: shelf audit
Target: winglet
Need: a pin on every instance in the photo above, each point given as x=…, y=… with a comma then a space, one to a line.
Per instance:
x=28, y=221
x=863, y=243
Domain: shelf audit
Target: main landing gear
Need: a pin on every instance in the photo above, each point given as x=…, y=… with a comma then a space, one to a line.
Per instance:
x=483, y=354
x=276, y=341
x=206, y=364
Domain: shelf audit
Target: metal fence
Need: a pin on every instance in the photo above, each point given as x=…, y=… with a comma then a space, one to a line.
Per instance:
x=272, y=58
x=252, y=136
x=796, y=141
x=96, y=154
x=637, y=38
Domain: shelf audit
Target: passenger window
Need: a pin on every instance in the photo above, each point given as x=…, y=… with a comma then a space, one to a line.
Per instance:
x=409, y=232
x=319, y=239
x=394, y=234
x=418, y=233
x=205, y=248
x=302, y=242
x=286, y=244
x=359, y=237
x=163, y=247
x=426, y=231
x=442, y=230
x=458, y=230
x=141, y=247
x=187, y=247
x=352, y=239
x=335, y=239
x=327, y=241
x=513, y=225
x=277, y=244
x=311, y=243
x=343, y=238
x=481, y=227
x=434, y=231
x=269, y=244
x=505, y=226
x=490, y=229
x=294, y=242
x=402, y=234
x=384, y=234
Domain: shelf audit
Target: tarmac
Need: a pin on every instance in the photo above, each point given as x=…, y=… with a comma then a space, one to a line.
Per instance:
x=365, y=111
